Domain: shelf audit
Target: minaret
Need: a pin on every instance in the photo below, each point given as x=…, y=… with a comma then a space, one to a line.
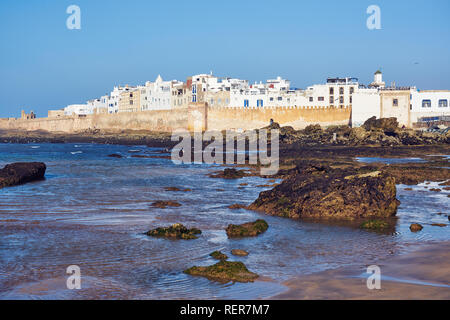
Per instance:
x=378, y=80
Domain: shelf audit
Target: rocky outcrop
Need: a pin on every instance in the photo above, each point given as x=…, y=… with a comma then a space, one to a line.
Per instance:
x=380, y=132
x=224, y=271
x=320, y=192
x=21, y=172
x=250, y=229
x=176, y=231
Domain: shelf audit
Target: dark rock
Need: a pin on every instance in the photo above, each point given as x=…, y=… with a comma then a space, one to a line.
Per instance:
x=21, y=172
x=230, y=174
x=384, y=124
x=175, y=189
x=219, y=255
x=115, y=155
x=439, y=225
x=239, y=252
x=250, y=229
x=435, y=190
x=176, y=231
x=415, y=227
x=321, y=192
x=224, y=271
x=164, y=204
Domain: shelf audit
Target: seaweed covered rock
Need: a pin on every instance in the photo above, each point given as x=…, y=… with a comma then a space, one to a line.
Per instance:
x=176, y=231
x=374, y=225
x=218, y=255
x=321, y=192
x=224, y=271
x=250, y=229
x=21, y=172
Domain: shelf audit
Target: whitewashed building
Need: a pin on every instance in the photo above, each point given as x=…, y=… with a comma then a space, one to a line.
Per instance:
x=157, y=95
x=429, y=104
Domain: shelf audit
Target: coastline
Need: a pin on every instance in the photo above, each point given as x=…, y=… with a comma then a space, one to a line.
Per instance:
x=421, y=274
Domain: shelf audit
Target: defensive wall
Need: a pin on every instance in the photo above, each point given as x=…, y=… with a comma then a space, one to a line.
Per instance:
x=210, y=118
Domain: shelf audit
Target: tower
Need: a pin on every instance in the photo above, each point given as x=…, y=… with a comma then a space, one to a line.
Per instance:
x=378, y=80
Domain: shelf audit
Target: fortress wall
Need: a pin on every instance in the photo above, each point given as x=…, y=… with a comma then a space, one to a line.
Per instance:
x=297, y=117
x=210, y=118
x=156, y=120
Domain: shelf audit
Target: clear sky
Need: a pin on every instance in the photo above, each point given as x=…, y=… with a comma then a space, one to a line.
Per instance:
x=44, y=65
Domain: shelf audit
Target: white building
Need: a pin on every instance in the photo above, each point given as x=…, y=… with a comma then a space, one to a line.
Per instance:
x=157, y=95
x=429, y=104
x=114, y=98
x=336, y=92
x=78, y=109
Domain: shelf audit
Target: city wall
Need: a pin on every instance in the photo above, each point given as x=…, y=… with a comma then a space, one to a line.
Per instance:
x=210, y=118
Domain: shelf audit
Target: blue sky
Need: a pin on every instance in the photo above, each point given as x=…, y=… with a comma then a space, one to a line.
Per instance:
x=43, y=65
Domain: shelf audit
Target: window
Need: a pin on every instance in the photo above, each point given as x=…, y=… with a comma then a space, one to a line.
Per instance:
x=280, y=98
x=259, y=103
x=352, y=89
x=443, y=103
x=395, y=102
x=321, y=98
x=341, y=99
x=271, y=99
x=341, y=90
x=426, y=103
x=245, y=103
x=331, y=90
x=331, y=99
x=311, y=99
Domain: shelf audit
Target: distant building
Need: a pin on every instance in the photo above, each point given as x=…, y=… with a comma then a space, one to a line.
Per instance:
x=428, y=104
x=27, y=116
x=78, y=109
x=130, y=100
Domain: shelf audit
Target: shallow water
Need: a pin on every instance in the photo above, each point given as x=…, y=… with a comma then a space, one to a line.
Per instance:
x=92, y=211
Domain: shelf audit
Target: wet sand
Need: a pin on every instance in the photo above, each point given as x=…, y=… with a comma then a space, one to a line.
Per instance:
x=422, y=274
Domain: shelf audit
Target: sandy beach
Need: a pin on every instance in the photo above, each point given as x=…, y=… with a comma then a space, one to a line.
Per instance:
x=422, y=274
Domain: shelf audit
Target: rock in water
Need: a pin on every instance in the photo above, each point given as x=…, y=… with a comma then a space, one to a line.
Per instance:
x=415, y=227
x=320, y=192
x=224, y=271
x=176, y=231
x=218, y=255
x=239, y=252
x=250, y=229
x=21, y=172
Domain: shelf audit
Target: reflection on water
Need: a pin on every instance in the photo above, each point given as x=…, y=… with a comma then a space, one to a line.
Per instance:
x=92, y=211
x=390, y=160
